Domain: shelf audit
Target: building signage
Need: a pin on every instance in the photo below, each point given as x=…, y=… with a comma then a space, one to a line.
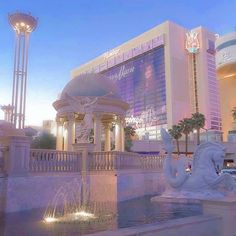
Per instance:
x=133, y=120
x=192, y=43
x=114, y=57
x=111, y=53
x=123, y=72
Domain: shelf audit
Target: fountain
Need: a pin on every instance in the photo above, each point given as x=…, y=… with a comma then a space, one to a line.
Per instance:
x=72, y=204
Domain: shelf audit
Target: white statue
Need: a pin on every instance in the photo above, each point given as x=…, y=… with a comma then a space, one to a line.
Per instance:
x=84, y=105
x=203, y=182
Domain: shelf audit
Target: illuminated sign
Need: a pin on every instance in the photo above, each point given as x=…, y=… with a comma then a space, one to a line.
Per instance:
x=192, y=44
x=115, y=56
x=111, y=53
x=122, y=73
x=133, y=120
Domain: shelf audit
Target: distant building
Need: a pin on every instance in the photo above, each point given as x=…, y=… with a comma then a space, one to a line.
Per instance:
x=165, y=74
x=49, y=126
x=226, y=70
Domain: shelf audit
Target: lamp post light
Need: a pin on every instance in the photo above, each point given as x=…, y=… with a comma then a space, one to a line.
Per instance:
x=23, y=24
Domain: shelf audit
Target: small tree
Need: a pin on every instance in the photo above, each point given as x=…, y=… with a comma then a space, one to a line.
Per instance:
x=187, y=126
x=176, y=133
x=234, y=113
x=129, y=135
x=198, y=120
x=44, y=141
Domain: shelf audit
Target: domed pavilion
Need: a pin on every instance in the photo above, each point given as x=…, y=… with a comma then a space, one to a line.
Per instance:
x=107, y=111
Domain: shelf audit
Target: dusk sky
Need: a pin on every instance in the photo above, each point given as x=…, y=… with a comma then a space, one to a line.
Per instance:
x=71, y=32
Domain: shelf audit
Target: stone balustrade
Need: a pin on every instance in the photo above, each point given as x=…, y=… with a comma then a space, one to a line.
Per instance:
x=152, y=161
x=54, y=161
x=124, y=160
x=43, y=160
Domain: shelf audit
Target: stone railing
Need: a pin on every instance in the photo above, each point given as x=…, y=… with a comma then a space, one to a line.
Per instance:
x=64, y=161
x=124, y=160
x=42, y=160
x=152, y=161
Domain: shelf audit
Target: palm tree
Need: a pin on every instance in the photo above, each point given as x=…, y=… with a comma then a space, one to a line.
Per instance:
x=234, y=113
x=187, y=126
x=198, y=123
x=176, y=133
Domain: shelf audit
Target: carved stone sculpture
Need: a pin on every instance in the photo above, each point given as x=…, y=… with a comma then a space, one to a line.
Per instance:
x=204, y=181
x=83, y=105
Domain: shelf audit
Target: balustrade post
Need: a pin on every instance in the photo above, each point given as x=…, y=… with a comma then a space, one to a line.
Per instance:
x=17, y=161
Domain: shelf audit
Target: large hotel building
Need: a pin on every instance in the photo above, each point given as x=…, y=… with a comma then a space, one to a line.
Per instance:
x=165, y=74
x=226, y=70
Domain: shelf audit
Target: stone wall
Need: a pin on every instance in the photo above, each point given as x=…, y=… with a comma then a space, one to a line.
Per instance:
x=194, y=226
x=24, y=193
x=36, y=191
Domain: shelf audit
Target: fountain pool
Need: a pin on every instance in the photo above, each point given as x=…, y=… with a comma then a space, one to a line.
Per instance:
x=125, y=214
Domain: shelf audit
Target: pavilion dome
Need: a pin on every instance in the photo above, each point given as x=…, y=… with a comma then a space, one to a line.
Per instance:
x=91, y=84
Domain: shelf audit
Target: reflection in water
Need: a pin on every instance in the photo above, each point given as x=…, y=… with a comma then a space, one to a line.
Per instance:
x=125, y=214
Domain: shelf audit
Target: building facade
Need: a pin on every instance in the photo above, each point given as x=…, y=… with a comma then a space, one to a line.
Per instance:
x=226, y=71
x=155, y=75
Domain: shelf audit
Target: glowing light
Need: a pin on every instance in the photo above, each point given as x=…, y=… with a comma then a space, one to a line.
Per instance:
x=22, y=24
x=49, y=219
x=84, y=214
x=133, y=120
x=230, y=75
x=192, y=44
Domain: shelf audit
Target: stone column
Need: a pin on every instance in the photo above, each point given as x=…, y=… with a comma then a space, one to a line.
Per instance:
x=118, y=145
x=70, y=132
x=59, y=145
x=65, y=136
x=122, y=134
x=107, y=127
x=97, y=132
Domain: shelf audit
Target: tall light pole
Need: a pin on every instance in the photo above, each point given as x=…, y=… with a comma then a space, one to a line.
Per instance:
x=23, y=24
x=192, y=45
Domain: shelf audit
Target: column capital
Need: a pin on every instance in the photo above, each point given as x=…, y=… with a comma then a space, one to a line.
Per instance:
x=107, y=123
x=120, y=120
x=60, y=119
x=70, y=117
x=97, y=115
